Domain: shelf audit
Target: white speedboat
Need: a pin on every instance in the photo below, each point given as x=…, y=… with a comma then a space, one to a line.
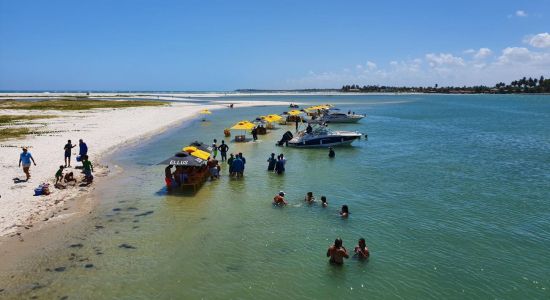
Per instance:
x=336, y=117
x=320, y=136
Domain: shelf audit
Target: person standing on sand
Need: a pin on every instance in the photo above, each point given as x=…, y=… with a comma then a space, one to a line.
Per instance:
x=223, y=150
x=82, y=148
x=337, y=252
x=25, y=158
x=68, y=147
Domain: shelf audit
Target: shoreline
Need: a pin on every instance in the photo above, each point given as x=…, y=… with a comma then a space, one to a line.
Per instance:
x=104, y=130
x=34, y=234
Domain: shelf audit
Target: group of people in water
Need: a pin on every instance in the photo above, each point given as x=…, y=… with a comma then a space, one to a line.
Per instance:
x=276, y=165
x=337, y=252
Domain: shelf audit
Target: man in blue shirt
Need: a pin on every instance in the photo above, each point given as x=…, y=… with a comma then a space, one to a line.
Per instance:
x=82, y=150
x=25, y=158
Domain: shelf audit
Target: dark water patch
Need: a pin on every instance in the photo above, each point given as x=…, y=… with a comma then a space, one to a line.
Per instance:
x=79, y=245
x=99, y=227
x=145, y=213
x=64, y=298
x=88, y=266
x=126, y=246
x=60, y=269
x=135, y=227
x=135, y=221
x=131, y=208
x=233, y=268
x=116, y=209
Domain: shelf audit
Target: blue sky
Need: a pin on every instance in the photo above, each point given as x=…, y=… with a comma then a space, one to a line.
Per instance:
x=226, y=45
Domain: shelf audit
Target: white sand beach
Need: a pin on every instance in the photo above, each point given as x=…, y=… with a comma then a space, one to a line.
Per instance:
x=102, y=129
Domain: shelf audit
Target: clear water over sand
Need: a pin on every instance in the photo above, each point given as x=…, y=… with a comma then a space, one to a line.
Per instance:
x=450, y=192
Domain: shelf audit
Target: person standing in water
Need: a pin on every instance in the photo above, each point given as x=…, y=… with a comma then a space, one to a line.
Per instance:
x=331, y=153
x=215, y=148
x=271, y=162
x=324, y=202
x=223, y=150
x=68, y=147
x=279, y=199
x=344, y=212
x=230, y=163
x=309, y=198
x=361, y=250
x=25, y=158
x=337, y=252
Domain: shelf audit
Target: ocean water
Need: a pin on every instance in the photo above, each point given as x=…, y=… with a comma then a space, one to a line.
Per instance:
x=450, y=192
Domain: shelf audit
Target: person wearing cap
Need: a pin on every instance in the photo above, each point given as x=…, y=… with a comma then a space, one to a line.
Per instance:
x=279, y=199
x=25, y=158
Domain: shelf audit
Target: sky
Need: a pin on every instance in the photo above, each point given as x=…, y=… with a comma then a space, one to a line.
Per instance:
x=186, y=45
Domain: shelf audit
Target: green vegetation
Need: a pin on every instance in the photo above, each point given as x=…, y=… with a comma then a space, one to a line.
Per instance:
x=8, y=133
x=8, y=119
x=74, y=104
x=522, y=86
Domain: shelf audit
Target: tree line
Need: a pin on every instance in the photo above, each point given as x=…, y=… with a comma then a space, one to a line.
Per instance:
x=523, y=85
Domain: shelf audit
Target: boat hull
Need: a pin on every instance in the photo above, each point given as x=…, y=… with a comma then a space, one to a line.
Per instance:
x=323, y=142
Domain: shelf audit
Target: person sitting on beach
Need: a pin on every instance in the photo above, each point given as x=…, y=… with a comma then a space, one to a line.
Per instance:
x=337, y=252
x=271, y=162
x=324, y=202
x=69, y=177
x=59, y=175
x=309, y=198
x=279, y=199
x=344, y=212
x=361, y=250
x=88, y=169
x=331, y=153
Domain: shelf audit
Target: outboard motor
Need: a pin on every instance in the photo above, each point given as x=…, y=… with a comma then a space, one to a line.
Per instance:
x=286, y=137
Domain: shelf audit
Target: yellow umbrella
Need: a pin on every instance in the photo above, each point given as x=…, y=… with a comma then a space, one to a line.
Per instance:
x=194, y=151
x=205, y=112
x=243, y=125
x=275, y=117
x=295, y=112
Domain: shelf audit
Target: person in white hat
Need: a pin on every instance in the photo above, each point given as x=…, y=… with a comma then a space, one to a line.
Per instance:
x=279, y=199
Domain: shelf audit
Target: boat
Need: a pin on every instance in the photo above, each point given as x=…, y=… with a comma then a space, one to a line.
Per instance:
x=319, y=136
x=337, y=117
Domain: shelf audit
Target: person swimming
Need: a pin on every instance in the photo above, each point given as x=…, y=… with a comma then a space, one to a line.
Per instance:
x=309, y=198
x=337, y=252
x=324, y=202
x=344, y=212
x=361, y=250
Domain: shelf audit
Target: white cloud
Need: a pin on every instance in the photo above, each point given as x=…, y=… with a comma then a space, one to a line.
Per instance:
x=371, y=65
x=443, y=59
x=481, y=66
x=541, y=40
x=521, y=13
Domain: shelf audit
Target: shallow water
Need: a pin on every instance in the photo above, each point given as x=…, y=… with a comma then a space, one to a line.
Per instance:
x=450, y=192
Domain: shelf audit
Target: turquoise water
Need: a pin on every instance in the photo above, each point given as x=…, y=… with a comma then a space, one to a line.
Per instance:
x=450, y=192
